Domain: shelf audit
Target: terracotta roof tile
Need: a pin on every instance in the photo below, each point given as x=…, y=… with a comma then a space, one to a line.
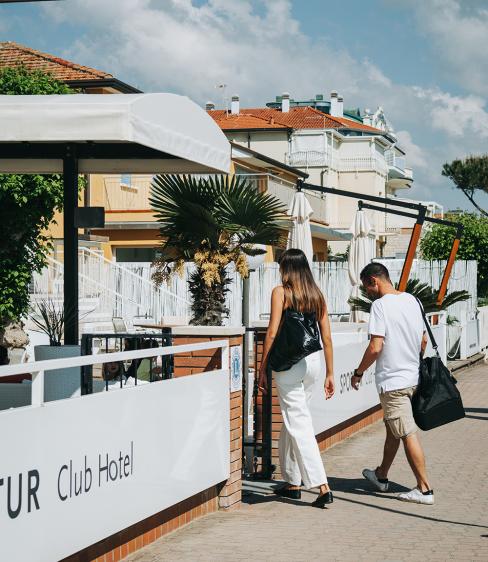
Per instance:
x=227, y=121
x=13, y=54
x=297, y=118
x=351, y=124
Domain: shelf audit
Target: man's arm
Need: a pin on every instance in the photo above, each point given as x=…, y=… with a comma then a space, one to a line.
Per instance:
x=370, y=355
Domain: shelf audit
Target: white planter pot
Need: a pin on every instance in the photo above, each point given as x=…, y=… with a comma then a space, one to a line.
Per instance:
x=60, y=383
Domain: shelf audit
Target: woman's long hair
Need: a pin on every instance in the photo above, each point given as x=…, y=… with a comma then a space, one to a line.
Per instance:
x=301, y=291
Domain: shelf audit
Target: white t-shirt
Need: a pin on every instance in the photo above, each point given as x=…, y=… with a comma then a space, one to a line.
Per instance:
x=398, y=319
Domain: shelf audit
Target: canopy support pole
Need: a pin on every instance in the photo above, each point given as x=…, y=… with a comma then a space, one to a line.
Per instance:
x=70, y=204
x=412, y=249
x=449, y=265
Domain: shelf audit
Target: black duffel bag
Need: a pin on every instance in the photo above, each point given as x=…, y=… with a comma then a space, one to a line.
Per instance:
x=436, y=401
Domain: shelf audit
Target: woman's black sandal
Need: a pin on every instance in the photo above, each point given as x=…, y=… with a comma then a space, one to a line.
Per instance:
x=286, y=492
x=323, y=500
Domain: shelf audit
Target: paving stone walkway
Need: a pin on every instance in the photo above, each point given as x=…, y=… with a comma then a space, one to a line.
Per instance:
x=361, y=524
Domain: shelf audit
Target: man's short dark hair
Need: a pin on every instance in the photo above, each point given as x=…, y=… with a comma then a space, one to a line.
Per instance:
x=375, y=269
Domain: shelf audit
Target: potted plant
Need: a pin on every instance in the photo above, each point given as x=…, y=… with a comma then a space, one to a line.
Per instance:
x=49, y=317
x=213, y=222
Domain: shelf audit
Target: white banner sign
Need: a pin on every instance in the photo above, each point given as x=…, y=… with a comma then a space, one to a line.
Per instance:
x=346, y=402
x=76, y=471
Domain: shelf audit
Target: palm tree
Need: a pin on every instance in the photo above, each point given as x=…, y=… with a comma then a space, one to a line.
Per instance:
x=212, y=222
x=424, y=292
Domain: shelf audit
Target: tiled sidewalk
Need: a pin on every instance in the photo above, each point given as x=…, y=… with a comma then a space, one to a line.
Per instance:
x=361, y=524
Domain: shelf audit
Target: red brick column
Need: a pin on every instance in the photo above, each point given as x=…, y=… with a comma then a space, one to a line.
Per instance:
x=191, y=363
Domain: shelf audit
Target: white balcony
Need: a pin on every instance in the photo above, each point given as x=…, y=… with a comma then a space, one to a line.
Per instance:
x=306, y=158
x=362, y=164
x=399, y=176
x=310, y=158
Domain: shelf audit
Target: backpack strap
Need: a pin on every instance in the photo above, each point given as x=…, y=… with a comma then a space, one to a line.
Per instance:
x=429, y=329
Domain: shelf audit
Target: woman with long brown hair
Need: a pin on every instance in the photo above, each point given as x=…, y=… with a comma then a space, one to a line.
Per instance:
x=298, y=325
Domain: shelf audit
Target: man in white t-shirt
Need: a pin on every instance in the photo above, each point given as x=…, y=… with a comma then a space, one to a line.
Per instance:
x=397, y=340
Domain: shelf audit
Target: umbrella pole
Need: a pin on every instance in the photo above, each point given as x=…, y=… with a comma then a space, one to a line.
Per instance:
x=70, y=204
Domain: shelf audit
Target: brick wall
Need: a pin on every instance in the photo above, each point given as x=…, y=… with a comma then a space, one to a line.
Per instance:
x=123, y=543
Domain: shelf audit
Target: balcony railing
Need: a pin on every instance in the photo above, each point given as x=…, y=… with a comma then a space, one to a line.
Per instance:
x=308, y=158
x=395, y=161
x=362, y=163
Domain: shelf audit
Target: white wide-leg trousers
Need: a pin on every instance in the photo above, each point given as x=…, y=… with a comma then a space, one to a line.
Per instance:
x=299, y=453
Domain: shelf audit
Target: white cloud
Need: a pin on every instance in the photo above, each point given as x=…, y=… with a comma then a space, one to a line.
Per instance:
x=416, y=157
x=457, y=116
x=458, y=31
x=259, y=50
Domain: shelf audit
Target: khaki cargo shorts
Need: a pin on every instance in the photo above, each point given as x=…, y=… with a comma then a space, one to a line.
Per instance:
x=397, y=411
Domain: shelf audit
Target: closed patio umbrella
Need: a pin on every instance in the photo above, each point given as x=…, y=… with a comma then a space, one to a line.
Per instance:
x=361, y=252
x=300, y=235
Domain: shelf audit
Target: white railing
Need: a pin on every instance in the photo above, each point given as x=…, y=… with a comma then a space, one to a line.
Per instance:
x=308, y=158
x=38, y=368
x=97, y=294
x=179, y=285
x=483, y=324
x=110, y=289
x=333, y=280
x=463, y=277
x=362, y=163
x=393, y=160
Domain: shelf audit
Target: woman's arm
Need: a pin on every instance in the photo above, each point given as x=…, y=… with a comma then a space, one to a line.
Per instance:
x=326, y=336
x=277, y=301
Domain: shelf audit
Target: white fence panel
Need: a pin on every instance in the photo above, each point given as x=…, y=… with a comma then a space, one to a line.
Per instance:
x=483, y=325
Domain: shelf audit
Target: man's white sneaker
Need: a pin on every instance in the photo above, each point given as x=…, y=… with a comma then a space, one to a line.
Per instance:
x=380, y=485
x=416, y=496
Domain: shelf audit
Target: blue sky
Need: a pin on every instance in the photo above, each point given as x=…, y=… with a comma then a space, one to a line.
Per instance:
x=423, y=61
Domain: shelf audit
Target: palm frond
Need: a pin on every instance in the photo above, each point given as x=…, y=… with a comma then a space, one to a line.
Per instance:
x=453, y=298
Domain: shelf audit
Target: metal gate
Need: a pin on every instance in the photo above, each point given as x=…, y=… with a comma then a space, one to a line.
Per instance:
x=125, y=342
x=257, y=411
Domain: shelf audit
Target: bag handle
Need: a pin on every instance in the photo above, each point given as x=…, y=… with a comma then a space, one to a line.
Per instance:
x=427, y=325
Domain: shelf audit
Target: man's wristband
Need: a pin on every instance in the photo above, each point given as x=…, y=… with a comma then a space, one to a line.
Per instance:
x=357, y=374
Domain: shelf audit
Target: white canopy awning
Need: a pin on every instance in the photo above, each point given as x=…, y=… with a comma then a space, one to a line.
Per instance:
x=116, y=133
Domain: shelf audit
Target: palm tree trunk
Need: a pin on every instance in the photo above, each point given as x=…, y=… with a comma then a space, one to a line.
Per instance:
x=208, y=303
